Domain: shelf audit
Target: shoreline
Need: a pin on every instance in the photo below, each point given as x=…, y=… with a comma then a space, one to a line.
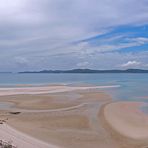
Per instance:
x=70, y=117
x=66, y=126
x=21, y=140
x=49, y=89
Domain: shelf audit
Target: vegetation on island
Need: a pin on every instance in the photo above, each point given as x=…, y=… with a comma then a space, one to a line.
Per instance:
x=89, y=71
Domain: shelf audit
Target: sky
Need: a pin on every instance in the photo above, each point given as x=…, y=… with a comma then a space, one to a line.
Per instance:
x=68, y=34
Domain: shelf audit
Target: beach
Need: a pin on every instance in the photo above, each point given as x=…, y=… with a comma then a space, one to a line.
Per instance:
x=73, y=73
x=19, y=139
x=61, y=116
x=128, y=119
x=64, y=119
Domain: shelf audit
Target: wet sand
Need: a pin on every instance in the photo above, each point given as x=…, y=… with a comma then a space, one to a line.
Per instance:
x=21, y=140
x=48, y=89
x=128, y=120
x=75, y=118
x=65, y=119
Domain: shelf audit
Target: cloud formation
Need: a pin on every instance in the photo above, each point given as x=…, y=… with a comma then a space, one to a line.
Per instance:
x=44, y=34
x=131, y=64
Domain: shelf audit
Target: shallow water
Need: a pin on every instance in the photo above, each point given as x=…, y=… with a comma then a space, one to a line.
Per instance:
x=145, y=109
x=132, y=86
x=6, y=105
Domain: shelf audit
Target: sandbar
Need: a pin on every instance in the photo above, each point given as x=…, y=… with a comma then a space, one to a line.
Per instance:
x=127, y=119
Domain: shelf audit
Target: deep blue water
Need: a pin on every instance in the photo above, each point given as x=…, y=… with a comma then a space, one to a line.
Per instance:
x=132, y=86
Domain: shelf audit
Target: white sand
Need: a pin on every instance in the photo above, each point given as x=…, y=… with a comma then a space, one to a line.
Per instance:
x=21, y=140
x=46, y=89
x=127, y=119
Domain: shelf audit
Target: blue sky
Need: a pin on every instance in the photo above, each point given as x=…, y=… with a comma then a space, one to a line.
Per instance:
x=67, y=34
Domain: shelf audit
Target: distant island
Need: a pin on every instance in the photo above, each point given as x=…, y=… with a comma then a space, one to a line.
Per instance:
x=89, y=71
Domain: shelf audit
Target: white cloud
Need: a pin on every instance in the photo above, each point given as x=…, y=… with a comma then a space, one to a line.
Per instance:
x=39, y=29
x=139, y=40
x=131, y=64
x=72, y=18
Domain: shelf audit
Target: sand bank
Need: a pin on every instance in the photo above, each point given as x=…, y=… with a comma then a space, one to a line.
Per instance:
x=69, y=127
x=47, y=89
x=60, y=101
x=127, y=119
x=71, y=117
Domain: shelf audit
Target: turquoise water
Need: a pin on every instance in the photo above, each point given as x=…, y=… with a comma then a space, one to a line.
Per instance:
x=132, y=86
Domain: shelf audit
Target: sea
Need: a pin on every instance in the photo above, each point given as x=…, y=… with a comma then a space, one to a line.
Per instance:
x=132, y=87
